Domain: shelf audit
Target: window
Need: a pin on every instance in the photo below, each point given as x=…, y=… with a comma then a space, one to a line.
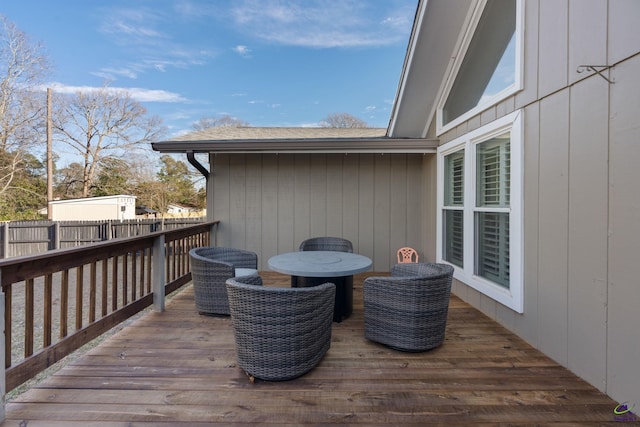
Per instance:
x=480, y=213
x=493, y=171
x=453, y=208
x=488, y=69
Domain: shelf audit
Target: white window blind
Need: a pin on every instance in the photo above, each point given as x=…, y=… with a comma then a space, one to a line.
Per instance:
x=493, y=177
x=454, y=209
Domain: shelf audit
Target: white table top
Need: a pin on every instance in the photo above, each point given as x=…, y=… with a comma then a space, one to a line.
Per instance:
x=319, y=263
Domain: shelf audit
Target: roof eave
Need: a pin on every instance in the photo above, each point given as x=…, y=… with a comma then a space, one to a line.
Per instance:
x=311, y=145
x=432, y=48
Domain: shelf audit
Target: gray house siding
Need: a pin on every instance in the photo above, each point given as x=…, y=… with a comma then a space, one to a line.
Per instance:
x=269, y=203
x=623, y=296
x=581, y=200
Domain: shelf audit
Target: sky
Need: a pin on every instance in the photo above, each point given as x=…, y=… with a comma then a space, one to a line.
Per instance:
x=267, y=62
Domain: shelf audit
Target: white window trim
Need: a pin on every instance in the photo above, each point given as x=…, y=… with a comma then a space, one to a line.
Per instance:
x=462, y=50
x=514, y=296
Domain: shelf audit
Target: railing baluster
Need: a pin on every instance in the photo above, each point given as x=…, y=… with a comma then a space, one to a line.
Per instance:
x=149, y=265
x=114, y=283
x=48, y=307
x=105, y=280
x=134, y=282
x=92, y=293
x=8, y=344
x=64, y=303
x=125, y=283
x=174, y=253
x=28, y=318
x=143, y=261
x=79, y=295
x=183, y=251
x=167, y=259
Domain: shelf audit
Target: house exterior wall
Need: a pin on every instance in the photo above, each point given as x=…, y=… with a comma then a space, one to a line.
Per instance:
x=270, y=203
x=581, y=204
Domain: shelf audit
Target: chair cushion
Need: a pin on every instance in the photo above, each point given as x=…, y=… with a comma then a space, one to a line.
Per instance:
x=246, y=272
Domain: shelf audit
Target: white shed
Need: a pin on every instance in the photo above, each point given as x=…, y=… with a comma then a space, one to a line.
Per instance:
x=118, y=207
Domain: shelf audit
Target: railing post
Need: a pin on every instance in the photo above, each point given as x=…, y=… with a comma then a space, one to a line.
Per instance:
x=213, y=234
x=56, y=235
x=159, y=279
x=5, y=239
x=3, y=381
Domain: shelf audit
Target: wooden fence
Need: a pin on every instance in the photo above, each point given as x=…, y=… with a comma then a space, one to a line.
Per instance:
x=20, y=238
x=53, y=303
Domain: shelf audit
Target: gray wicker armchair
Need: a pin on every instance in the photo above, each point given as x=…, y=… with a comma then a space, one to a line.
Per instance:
x=210, y=269
x=326, y=244
x=408, y=310
x=280, y=333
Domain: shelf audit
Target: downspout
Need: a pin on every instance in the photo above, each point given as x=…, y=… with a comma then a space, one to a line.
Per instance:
x=196, y=164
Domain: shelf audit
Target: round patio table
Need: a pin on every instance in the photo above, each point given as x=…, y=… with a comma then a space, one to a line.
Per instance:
x=311, y=268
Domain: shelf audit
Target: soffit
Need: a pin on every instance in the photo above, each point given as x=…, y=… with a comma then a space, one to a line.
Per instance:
x=430, y=55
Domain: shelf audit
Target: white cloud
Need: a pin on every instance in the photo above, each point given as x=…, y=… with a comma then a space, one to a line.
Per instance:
x=323, y=23
x=146, y=34
x=242, y=50
x=154, y=95
x=131, y=25
x=111, y=73
x=139, y=94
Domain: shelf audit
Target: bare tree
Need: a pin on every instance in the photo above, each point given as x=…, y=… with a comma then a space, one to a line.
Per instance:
x=342, y=120
x=212, y=122
x=69, y=181
x=23, y=65
x=103, y=123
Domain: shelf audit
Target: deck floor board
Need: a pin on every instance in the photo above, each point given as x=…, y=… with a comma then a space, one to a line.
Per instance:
x=178, y=368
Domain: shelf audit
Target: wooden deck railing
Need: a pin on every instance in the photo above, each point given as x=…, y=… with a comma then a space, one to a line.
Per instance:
x=56, y=302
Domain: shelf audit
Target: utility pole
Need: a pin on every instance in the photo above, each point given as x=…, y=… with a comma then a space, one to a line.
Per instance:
x=49, y=156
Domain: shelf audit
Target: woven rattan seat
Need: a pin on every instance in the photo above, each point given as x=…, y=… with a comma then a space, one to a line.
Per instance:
x=326, y=244
x=280, y=333
x=408, y=310
x=210, y=269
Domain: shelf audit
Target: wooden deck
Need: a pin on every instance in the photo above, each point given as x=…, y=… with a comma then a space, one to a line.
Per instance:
x=178, y=368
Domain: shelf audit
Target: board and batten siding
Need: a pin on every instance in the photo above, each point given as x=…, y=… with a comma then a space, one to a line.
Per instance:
x=270, y=203
x=581, y=197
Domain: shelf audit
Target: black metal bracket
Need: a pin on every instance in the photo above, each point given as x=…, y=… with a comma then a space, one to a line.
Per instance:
x=598, y=69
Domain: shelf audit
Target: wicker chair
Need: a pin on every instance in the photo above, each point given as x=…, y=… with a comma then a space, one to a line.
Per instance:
x=280, y=333
x=408, y=310
x=210, y=269
x=326, y=244
x=343, y=306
